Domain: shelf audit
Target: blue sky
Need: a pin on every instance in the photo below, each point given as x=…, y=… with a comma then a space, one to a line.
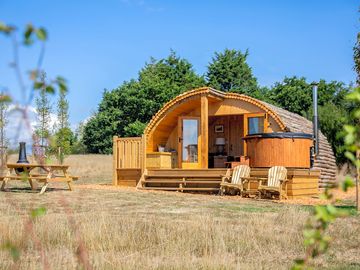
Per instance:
x=99, y=44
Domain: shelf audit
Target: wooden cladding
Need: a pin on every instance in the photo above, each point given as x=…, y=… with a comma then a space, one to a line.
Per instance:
x=287, y=152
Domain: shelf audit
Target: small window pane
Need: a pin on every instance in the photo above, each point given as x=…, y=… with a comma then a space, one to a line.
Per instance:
x=255, y=125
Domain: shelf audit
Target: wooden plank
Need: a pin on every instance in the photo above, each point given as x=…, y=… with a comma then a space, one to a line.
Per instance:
x=182, y=182
x=304, y=191
x=127, y=183
x=115, y=160
x=204, y=122
x=187, y=173
x=294, y=186
x=184, y=188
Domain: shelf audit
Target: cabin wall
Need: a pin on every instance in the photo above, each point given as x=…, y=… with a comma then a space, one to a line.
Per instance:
x=233, y=131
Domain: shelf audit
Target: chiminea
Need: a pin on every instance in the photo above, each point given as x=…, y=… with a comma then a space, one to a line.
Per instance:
x=22, y=153
x=22, y=157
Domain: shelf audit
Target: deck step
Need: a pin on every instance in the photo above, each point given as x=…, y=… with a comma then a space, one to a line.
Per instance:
x=185, y=176
x=168, y=181
x=180, y=189
x=181, y=182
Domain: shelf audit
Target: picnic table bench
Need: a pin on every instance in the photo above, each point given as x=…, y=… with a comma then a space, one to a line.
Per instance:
x=48, y=174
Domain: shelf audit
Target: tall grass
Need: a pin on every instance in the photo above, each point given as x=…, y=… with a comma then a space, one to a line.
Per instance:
x=128, y=229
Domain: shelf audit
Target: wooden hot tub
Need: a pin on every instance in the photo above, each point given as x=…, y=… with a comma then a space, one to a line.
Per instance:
x=287, y=149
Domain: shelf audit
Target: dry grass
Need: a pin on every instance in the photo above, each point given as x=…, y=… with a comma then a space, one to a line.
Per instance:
x=122, y=228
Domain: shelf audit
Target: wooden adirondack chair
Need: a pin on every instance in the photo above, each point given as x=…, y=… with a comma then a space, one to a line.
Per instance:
x=275, y=184
x=233, y=183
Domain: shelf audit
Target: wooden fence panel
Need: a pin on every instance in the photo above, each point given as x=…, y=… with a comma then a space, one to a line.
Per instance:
x=128, y=153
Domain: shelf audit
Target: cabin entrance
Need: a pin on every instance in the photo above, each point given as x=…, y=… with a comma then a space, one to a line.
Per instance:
x=189, y=142
x=225, y=137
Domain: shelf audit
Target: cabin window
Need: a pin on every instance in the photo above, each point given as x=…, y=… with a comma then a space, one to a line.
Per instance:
x=255, y=125
x=190, y=140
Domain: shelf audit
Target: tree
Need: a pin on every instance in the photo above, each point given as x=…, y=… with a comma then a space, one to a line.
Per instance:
x=295, y=94
x=126, y=110
x=64, y=137
x=42, y=130
x=229, y=71
x=292, y=94
x=352, y=138
x=78, y=146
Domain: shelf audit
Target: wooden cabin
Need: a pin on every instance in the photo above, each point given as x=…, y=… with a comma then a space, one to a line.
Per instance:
x=202, y=132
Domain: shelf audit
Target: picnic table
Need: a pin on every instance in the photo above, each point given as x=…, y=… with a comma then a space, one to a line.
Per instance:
x=46, y=174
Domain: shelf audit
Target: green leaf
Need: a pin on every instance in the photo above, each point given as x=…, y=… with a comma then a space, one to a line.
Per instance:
x=62, y=86
x=50, y=89
x=332, y=210
x=347, y=183
x=37, y=212
x=61, y=82
x=6, y=29
x=29, y=30
x=41, y=33
x=322, y=213
x=38, y=85
x=350, y=156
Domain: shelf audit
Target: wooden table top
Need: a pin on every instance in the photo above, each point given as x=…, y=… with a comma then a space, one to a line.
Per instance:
x=32, y=165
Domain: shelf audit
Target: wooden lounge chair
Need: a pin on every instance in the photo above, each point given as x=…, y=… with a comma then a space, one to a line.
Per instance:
x=275, y=184
x=233, y=184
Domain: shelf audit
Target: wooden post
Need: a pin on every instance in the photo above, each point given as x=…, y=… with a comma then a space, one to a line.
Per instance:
x=115, y=160
x=143, y=150
x=204, y=131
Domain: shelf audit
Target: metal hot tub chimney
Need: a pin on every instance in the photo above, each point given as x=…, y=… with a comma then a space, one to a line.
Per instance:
x=315, y=150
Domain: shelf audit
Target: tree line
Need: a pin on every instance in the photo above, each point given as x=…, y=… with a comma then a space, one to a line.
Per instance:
x=125, y=110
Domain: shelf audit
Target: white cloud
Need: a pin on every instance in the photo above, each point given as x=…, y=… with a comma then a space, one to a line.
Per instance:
x=21, y=124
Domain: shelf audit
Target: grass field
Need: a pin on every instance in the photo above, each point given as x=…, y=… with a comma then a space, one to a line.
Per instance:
x=106, y=227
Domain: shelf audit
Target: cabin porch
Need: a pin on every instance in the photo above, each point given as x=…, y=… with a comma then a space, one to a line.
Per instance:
x=302, y=182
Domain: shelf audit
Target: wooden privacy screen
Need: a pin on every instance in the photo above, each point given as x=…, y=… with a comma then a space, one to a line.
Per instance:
x=128, y=155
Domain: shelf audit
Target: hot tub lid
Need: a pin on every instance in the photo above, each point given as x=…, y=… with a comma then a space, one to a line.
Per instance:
x=281, y=135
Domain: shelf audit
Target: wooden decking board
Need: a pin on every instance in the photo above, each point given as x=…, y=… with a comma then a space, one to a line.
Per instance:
x=182, y=176
x=181, y=182
x=180, y=189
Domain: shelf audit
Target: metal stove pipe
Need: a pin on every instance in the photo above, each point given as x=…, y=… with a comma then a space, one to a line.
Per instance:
x=315, y=119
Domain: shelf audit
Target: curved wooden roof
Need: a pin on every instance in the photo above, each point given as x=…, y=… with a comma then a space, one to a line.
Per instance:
x=212, y=93
x=286, y=120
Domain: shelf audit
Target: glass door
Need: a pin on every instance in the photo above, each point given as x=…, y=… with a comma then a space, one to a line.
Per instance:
x=189, y=142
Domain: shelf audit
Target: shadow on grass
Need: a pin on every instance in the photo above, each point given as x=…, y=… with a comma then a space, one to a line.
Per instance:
x=29, y=190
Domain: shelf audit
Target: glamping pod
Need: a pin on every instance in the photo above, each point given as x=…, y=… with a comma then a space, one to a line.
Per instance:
x=202, y=132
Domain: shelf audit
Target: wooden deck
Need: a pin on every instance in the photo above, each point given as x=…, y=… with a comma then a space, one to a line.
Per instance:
x=302, y=182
